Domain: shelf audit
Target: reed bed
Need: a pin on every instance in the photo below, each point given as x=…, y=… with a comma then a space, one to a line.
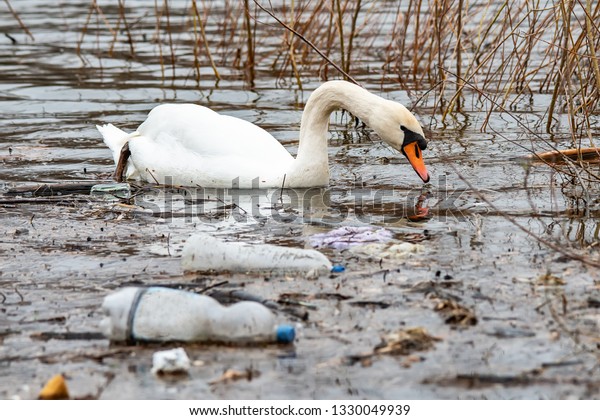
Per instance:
x=457, y=55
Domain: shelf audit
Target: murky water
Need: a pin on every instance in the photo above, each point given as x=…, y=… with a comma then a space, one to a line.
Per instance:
x=60, y=256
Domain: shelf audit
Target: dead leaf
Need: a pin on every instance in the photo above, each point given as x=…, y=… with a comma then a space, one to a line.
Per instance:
x=231, y=375
x=550, y=279
x=405, y=342
x=455, y=314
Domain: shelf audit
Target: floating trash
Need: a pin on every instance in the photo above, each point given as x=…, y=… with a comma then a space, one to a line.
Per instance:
x=203, y=252
x=338, y=268
x=111, y=191
x=396, y=251
x=55, y=389
x=586, y=154
x=174, y=361
x=137, y=314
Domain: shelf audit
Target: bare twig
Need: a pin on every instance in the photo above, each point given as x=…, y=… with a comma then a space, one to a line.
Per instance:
x=249, y=45
x=129, y=37
x=204, y=39
x=18, y=19
x=152, y=175
x=512, y=220
x=168, y=16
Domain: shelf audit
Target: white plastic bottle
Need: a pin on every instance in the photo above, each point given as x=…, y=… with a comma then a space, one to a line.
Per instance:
x=203, y=252
x=163, y=314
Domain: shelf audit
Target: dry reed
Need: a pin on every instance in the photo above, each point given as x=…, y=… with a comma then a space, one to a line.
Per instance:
x=453, y=50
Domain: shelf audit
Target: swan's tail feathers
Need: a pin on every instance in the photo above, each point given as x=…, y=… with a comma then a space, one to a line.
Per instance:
x=114, y=138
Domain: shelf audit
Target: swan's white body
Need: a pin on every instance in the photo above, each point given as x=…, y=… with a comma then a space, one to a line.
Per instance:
x=191, y=145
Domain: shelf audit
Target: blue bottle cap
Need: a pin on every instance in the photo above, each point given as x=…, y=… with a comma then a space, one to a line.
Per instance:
x=338, y=268
x=285, y=334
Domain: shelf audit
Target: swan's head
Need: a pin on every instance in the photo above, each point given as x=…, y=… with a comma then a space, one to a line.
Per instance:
x=398, y=127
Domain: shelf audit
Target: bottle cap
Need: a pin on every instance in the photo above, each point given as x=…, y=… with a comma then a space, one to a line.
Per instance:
x=338, y=268
x=285, y=334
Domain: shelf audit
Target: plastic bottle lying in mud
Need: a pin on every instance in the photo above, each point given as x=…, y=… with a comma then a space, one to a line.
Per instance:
x=163, y=314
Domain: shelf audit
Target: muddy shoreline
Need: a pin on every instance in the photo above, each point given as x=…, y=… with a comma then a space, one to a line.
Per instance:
x=501, y=335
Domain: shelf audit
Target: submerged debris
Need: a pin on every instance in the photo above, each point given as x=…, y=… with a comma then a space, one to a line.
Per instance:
x=405, y=342
x=510, y=332
x=593, y=302
x=231, y=375
x=111, y=191
x=455, y=314
x=485, y=380
x=350, y=236
x=400, y=343
x=396, y=251
x=51, y=189
x=587, y=154
x=549, y=279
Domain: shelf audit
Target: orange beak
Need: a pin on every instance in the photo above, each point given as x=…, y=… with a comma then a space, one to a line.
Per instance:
x=413, y=153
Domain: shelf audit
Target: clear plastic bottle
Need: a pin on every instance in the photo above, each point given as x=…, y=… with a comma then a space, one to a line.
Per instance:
x=163, y=314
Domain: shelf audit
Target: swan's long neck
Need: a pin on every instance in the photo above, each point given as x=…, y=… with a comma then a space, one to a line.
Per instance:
x=312, y=150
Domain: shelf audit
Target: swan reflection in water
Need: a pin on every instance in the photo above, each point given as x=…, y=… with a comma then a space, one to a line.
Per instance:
x=327, y=207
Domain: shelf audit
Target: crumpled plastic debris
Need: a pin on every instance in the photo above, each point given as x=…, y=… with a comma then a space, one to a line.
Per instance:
x=55, y=389
x=350, y=236
x=170, y=361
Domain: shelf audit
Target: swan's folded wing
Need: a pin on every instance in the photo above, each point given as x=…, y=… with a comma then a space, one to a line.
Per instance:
x=170, y=163
x=208, y=133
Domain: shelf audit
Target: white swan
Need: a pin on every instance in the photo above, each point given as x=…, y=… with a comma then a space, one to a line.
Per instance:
x=190, y=145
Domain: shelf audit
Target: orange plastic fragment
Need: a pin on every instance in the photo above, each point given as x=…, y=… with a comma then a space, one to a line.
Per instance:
x=55, y=389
